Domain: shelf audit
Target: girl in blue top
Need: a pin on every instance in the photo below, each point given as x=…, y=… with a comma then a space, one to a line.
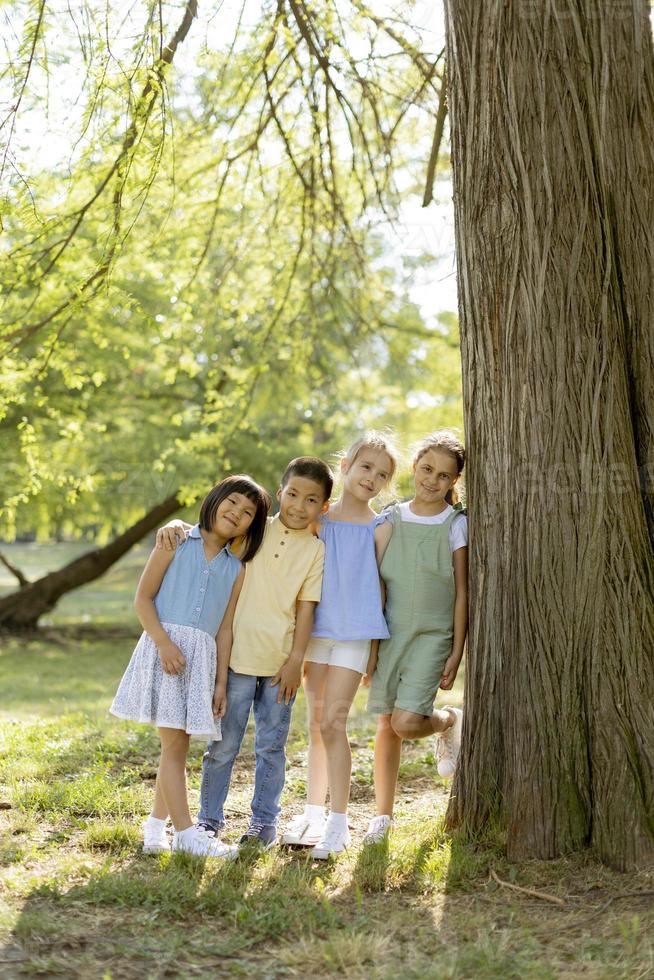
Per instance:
x=348, y=617
x=185, y=601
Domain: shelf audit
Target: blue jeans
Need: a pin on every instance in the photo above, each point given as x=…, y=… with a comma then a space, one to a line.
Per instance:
x=271, y=724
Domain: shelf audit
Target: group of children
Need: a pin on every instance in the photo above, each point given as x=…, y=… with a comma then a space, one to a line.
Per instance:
x=331, y=593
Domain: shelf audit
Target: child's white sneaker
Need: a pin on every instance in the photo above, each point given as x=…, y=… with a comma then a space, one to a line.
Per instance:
x=449, y=743
x=378, y=829
x=303, y=832
x=201, y=844
x=155, y=838
x=335, y=840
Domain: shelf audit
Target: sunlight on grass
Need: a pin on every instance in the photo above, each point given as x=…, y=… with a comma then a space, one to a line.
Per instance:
x=112, y=836
x=348, y=951
x=46, y=678
x=78, y=888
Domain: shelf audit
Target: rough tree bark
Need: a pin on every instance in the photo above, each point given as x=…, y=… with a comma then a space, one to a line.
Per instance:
x=552, y=119
x=22, y=610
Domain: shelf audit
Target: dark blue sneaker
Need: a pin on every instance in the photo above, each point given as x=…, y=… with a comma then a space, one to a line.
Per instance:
x=263, y=836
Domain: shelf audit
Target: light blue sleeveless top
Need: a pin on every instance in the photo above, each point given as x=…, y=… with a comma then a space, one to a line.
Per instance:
x=194, y=591
x=350, y=607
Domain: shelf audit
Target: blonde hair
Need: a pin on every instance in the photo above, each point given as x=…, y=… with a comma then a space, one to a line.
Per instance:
x=448, y=442
x=380, y=442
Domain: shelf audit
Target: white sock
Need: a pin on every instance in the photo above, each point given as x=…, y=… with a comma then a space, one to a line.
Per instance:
x=188, y=833
x=314, y=812
x=156, y=823
x=338, y=821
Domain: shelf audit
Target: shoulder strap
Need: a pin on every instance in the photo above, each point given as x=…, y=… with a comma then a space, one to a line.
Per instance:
x=453, y=516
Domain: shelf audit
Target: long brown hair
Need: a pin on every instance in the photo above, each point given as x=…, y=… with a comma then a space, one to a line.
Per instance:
x=444, y=441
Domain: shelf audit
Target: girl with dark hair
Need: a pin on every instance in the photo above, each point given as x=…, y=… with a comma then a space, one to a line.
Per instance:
x=185, y=601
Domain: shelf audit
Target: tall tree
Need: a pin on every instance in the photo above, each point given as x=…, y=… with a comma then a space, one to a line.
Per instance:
x=552, y=115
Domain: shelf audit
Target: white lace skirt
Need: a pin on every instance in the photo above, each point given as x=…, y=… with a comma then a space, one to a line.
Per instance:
x=181, y=701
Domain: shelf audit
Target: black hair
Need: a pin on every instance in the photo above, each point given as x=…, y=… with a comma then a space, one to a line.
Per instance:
x=260, y=497
x=311, y=468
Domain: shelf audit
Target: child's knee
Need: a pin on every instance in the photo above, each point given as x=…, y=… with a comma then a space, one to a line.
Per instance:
x=174, y=744
x=333, y=728
x=405, y=723
x=314, y=721
x=328, y=735
x=220, y=751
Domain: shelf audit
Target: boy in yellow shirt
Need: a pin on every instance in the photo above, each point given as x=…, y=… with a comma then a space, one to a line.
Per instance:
x=272, y=627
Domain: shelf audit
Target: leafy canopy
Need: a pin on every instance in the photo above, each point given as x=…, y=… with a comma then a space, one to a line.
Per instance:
x=202, y=281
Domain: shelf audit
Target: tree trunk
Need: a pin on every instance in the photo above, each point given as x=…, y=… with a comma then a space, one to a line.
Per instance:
x=21, y=610
x=552, y=116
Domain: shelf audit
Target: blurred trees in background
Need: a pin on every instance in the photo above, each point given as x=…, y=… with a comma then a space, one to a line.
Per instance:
x=198, y=274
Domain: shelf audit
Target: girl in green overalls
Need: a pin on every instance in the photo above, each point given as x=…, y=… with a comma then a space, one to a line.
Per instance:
x=422, y=550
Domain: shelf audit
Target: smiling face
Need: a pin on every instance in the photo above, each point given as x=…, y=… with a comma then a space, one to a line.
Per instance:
x=233, y=516
x=435, y=473
x=301, y=502
x=367, y=474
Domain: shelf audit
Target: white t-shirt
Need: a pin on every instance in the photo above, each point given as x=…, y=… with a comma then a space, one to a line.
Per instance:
x=458, y=528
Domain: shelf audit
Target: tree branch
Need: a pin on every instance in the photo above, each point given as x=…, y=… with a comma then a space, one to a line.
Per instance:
x=16, y=572
x=436, y=145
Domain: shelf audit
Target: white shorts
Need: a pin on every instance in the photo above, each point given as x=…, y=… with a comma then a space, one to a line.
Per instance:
x=352, y=654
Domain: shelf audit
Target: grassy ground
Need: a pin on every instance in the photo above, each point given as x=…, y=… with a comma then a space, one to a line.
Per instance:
x=78, y=899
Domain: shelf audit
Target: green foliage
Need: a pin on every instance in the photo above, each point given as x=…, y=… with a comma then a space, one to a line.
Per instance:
x=204, y=286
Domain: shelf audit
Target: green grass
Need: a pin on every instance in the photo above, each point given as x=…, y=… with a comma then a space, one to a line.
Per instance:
x=106, y=600
x=79, y=899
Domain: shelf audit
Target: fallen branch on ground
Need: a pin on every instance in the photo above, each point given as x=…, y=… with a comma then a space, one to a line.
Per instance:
x=527, y=891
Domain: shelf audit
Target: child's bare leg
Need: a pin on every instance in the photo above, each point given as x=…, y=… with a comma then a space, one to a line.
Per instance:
x=341, y=686
x=315, y=677
x=408, y=724
x=171, y=780
x=388, y=748
x=159, y=808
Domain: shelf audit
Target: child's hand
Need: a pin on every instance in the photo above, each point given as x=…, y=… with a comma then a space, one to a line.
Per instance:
x=288, y=677
x=172, y=659
x=167, y=536
x=370, y=669
x=219, y=700
x=449, y=673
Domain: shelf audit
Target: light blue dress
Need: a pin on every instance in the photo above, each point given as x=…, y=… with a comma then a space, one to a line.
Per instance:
x=190, y=604
x=350, y=607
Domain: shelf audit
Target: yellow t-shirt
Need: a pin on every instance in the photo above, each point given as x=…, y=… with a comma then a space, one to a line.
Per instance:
x=287, y=567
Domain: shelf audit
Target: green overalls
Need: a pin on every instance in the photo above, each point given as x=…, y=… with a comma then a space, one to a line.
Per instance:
x=419, y=577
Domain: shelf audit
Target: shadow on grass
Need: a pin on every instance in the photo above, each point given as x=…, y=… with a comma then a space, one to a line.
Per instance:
x=491, y=932
x=133, y=913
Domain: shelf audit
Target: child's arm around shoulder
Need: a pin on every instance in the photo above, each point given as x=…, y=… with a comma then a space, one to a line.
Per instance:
x=172, y=659
x=169, y=534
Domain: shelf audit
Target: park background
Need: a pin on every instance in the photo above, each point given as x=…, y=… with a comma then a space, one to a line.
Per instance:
x=217, y=258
